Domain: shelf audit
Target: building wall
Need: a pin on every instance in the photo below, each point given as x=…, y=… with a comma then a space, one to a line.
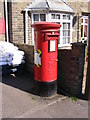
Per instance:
x=79, y=7
x=18, y=23
x=17, y=32
x=2, y=36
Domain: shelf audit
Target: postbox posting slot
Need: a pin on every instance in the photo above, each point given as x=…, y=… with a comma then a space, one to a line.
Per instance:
x=49, y=35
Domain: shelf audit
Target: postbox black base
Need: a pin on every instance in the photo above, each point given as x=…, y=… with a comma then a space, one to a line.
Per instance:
x=45, y=89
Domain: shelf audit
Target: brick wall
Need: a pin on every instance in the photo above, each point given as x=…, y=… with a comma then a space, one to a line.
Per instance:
x=2, y=36
x=29, y=56
x=70, y=69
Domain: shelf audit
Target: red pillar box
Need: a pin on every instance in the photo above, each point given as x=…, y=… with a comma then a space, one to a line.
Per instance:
x=46, y=37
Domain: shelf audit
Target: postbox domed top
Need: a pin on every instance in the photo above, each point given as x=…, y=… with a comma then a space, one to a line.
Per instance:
x=45, y=25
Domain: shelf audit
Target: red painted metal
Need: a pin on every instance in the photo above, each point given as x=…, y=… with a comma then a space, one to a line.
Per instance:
x=45, y=33
x=2, y=26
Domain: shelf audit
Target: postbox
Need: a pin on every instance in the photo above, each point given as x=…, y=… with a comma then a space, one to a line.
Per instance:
x=46, y=37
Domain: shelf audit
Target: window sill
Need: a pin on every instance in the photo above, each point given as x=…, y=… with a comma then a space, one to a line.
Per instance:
x=67, y=46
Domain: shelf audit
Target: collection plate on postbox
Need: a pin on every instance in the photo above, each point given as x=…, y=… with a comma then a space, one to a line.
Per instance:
x=52, y=46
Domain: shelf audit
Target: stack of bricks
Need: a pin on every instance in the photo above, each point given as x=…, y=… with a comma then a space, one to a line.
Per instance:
x=70, y=69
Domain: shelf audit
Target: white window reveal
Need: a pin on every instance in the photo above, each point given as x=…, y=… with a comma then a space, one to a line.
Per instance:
x=66, y=28
x=84, y=28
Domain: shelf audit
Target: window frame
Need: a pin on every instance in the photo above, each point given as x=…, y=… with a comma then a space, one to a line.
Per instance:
x=32, y=21
x=83, y=38
x=61, y=21
x=39, y=17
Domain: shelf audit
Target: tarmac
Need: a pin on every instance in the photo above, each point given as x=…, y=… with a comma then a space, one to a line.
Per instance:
x=19, y=101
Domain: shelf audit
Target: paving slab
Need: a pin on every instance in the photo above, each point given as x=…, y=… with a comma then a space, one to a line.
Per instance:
x=64, y=108
x=19, y=101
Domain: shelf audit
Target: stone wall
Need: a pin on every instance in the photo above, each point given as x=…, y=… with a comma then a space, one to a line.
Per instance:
x=70, y=69
x=79, y=7
x=18, y=23
x=76, y=31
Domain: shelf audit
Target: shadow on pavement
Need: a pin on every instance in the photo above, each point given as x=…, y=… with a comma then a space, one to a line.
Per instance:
x=24, y=81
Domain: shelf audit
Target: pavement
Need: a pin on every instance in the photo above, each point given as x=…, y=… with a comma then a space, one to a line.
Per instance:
x=19, y=101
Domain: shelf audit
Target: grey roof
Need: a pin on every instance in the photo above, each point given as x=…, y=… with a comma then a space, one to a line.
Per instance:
x=51, y=5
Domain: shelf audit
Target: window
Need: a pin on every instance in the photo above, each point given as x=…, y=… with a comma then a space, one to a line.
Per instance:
x=66, y=17
x=42, y=17
x=66, y=28
x=84, y=28
x=66, y=33
x=36, y=17
x=65, y=20
x=52, y=16
x=55, y=16
x=39, y=17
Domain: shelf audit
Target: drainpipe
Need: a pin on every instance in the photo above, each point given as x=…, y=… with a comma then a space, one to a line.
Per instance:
x=6, y=17
x=89, y=62
x=32, y=30
x=88, y=31
x=77, y=27
x=26, y=26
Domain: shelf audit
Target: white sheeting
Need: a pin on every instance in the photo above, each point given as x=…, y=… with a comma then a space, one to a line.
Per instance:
x=10, y=55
